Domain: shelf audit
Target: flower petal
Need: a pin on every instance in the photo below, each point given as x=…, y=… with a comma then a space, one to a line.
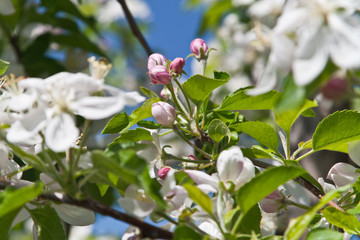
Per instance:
x=74, y=215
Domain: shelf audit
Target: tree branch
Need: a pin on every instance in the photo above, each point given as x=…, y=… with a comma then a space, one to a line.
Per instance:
x=147, y=230
x=134, y=28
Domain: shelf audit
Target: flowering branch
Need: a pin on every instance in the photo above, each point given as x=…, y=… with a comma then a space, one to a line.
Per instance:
x=147, y=230
x=134, y=28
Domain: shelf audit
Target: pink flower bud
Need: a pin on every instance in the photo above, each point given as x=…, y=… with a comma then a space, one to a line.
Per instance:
x=335, y=89
x=160, y=75
x=156, y=59
x=163, y=172
x=199, y=48
x=177, y=65
x=163, y=113
x=272, y=202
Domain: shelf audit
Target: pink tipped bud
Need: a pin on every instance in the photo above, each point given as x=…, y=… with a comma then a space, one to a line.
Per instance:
x=272, y=202
x=156, y=59
x=163, y=172
x=177, y=65
x=199, y=48
x=192, y=157
x=335, y=89
x=163, y=113
x=160, y=75
x=165, y=93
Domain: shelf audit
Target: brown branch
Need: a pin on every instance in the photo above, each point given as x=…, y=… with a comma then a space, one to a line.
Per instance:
x=147, y=230
x=134, y=28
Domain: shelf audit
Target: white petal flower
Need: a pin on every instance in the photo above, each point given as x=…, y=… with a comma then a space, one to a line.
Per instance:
x=233, y=167
x=343, y=173
x=61, y=132
x=74, y=215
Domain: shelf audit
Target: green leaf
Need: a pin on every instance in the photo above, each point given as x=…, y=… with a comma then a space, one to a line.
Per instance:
x=6, y=222
x=343, y=220
x=200, y=198
x=14, y=199
x=250, y=222
x=336, y=131
x=298, y=225
x=135, y=135
x=152, y=188
x=199, y=87
x=183, y=232
x=48, y=223
x=239, y=100
x=324, y=234
x=3, y=66
x=249, y=195
x=116, y=123
x=217, y=130
x=149, y=93
x=148, y=124
x=285, y=119
x=259, y=152
x=261, y=132
x=102, y=188
x=306, y=176
x=103, y=162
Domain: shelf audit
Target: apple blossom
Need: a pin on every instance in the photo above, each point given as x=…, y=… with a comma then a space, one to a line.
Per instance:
x=272, y=202
x=177, y=65
x=199, y=48
x=163, y=113
x=156, y=59
x=159, y=74
x=343, y=173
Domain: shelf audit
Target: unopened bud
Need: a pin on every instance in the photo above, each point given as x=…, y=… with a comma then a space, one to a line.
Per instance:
x=272, y=202
x=165, y=93
x=160, y=75
x=163, y=172
x=199, y=48
x=163, y=113
x=177, y=65
x=335, y=89
x=192, y=157
x=156, y=59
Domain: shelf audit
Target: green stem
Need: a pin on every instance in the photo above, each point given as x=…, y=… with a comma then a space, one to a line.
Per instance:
x=306, y=154
x=185, y=96
x=203, y=64
x=179, y=106
x=289, y=202
x=172, y=157
x=74, y=162
x=23, y=169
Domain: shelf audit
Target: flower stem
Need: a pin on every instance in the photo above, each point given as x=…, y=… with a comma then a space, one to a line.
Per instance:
x=177, y=103
x=185, y=95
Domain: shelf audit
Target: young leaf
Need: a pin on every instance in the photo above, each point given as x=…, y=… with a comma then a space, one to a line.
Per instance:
x=324, y=234
x=217, y=130
x=200, y=198
x=3, y=66
x=199, y=87
x=6, y=222
x=149, y=93
x=348, y=222
x=48, y=223
x=152, y=188
x=257, y=151
x=336, y=131
x=248, y=195
x=183, y=232
x=116, y=123
x=261, y=132
x=250, y=222
x=14, y=199
x=134, y=136
x=298, y=225
x=239, y=100
x=285, y=119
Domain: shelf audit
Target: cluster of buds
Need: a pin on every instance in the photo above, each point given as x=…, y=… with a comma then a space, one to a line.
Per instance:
x=160, y=71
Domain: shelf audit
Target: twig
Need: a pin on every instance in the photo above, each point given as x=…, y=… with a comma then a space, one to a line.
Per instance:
x=147, y=230
x=134, y=28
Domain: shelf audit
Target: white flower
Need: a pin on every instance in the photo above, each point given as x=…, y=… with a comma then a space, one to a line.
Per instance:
x=136, y=202
x=232, y=167
x=323, y=28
